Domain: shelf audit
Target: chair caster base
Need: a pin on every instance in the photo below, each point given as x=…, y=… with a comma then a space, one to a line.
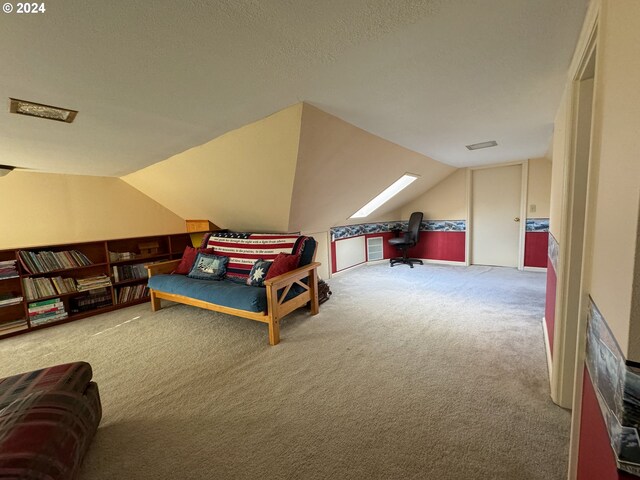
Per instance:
x=404, y=261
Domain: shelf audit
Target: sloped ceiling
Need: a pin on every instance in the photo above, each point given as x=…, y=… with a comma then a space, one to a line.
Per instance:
x=153, y=79
x=341, y=167
x=298, y=169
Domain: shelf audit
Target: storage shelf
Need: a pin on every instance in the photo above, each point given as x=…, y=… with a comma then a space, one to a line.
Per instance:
x=7, y=305
x=130, y=281
x=141, y=259
x=54, y=272
x=137, y=301
x=172, y=246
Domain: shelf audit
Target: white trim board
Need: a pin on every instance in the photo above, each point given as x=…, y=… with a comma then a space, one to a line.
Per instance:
x=535, y=269
x=547, y=348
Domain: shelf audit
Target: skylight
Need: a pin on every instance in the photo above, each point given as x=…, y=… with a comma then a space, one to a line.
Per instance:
x=390, y=192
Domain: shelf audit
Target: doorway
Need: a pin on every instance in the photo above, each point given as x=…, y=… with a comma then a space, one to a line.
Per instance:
x=496, y=205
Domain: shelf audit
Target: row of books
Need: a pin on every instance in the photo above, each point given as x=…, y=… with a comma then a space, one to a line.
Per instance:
x=13, y=325
x=129, y=272
x=9, y=298
x=119, y=256
x=39, y=287
x=131, y=293
x=46, y=311
x=42, y=262
x=97, y=299
x=8, y=269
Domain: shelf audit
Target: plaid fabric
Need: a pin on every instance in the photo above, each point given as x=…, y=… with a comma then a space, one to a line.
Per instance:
x=243, y=249
x=47, y=420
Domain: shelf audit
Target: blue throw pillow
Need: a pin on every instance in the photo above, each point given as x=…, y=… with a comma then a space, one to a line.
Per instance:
x=209, y=267
x=258, y=273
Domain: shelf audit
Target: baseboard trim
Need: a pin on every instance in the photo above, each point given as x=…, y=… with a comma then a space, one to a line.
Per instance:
x=349, y=268
x=386, y=260
x=547, y=348
x=535, y=269
x=443, y=262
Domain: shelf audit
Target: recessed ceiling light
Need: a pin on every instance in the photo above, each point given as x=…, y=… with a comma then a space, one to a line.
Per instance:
x=391, y=191
x=478, y=146
x=24, y=107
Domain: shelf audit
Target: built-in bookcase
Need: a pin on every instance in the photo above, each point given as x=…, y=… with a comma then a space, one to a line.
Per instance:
x=55, y=284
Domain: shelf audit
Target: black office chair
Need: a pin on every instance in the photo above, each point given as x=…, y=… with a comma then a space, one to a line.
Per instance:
x=407, y=240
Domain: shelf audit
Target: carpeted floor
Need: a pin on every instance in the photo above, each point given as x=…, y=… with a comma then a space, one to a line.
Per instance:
x=436, y=372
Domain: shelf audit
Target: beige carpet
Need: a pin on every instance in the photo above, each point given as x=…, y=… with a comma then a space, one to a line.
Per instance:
x=435, y=372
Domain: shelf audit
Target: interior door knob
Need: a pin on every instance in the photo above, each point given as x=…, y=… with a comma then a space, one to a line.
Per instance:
x=517, y=219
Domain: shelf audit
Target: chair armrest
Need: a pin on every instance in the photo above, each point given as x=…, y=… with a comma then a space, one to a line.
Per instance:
x=161, y=267
x=290, y=277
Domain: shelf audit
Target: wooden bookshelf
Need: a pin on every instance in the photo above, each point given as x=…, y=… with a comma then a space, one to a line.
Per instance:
x=59, y=261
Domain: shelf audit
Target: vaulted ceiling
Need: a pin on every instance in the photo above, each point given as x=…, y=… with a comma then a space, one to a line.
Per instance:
x=152, y=79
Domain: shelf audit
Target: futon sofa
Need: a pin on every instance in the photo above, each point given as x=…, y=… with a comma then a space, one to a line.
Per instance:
x=278, y=297
x=48, y=418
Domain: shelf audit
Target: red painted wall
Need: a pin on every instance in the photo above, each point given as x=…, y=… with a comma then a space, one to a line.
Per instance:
x=449, y=246
x=535, y=249
x=596, y=460
x=550, y=303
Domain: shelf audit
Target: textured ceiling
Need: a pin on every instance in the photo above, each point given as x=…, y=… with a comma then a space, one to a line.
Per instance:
x=152, y=79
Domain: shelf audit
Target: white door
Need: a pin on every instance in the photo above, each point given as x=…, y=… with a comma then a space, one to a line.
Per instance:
x=495, y=229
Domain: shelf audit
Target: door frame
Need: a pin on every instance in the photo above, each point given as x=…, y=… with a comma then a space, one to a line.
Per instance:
x=523, y=207
x=570, y=332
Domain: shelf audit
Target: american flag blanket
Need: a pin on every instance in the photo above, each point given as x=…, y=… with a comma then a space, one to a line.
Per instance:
x=243, y=249
x=47, y=420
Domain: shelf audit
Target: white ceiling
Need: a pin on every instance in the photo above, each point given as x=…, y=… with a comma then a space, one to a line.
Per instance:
x=154, y=78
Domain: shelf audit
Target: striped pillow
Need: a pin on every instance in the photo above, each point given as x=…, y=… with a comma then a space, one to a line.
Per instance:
x=243, y=249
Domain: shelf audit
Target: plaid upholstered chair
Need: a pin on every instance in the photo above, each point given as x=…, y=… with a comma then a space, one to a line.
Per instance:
x=47, y=420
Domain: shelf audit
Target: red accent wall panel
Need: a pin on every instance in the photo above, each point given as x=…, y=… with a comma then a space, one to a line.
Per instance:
x=596, y=460
x=535, y=249
x=449, y=246
x=550, y=302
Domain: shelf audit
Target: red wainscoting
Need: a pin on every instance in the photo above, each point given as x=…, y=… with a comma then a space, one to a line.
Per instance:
x=596, y=460
x=448, y=246
x=536, y=246
x=550, y=303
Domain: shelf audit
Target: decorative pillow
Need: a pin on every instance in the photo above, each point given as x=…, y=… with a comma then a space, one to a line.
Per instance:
x=209, y=267
x=283, y=263
x=188, y=257
x=258, y=273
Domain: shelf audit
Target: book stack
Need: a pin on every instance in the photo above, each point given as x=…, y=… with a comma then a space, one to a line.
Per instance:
x=97, y=299
x=8, y=269
x=43, y=262
x=129, y=294
x=9, y=298
x=129, y=272
x=12, y=326
x=46, y=311
x=119, y=256
x=91, y=283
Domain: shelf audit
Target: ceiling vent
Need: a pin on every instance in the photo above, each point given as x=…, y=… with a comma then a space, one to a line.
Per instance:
x=478, y=146
x=24, y=107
